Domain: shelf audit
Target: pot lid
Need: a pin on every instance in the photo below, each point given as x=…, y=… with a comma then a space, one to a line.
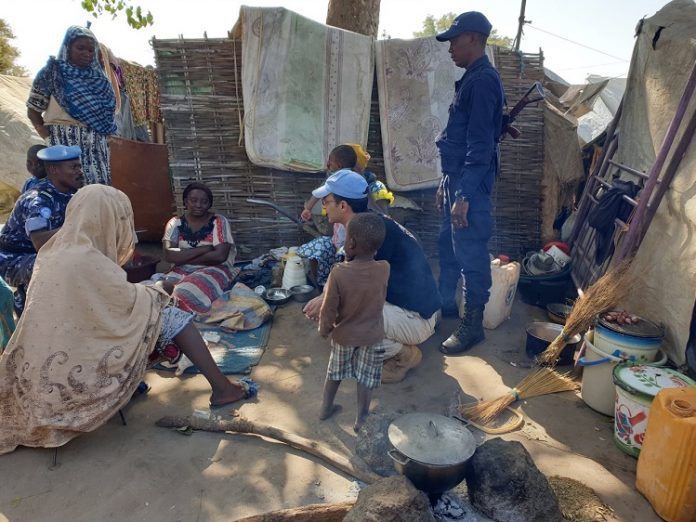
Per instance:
x=643, y=328
x=432, y=439
x=648, y=380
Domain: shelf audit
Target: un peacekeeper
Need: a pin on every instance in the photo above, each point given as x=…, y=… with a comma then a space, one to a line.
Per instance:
x=469, y=156
x=37, y=216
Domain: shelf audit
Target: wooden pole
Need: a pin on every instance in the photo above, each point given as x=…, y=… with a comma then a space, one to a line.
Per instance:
x=521, y=21
x=242, y=425
x=311, y=513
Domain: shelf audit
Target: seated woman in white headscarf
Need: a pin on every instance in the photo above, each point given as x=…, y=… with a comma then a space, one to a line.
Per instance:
x=87, y=334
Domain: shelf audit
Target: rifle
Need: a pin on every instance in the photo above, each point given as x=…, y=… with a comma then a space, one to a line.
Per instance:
x=533, y=95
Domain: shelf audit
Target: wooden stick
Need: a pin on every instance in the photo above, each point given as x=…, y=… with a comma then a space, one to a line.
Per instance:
x=311, y=513
x=242, y=425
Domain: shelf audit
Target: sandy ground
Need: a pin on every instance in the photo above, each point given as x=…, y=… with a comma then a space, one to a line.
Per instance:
x=142, y=472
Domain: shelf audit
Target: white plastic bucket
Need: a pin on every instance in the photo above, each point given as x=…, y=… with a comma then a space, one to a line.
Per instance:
x=631, y=347
x=597, y=384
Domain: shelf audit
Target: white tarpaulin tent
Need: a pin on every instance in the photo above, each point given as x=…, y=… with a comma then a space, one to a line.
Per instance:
x=16, y=131
x=665, y=265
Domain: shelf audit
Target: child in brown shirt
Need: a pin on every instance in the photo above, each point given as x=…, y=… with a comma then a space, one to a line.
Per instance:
x=352, y=315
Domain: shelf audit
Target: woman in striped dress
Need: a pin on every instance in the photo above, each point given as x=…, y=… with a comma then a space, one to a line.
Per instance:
x=202, y=250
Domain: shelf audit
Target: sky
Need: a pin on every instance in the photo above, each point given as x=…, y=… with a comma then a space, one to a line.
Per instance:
x=605, y=26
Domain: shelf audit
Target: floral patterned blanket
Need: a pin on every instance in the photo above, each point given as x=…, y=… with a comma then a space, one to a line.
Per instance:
x=306, y=86
x=415, y=81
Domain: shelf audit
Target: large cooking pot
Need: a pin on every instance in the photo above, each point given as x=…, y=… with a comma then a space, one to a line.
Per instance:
x=430, y=450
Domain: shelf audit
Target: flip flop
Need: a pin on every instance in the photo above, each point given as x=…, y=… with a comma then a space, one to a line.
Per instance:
x=142, y=389
x=251, y=389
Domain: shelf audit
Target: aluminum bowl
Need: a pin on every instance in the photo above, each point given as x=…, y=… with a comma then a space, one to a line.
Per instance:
x=558, y=312
x=277, y=296
x=302, y=293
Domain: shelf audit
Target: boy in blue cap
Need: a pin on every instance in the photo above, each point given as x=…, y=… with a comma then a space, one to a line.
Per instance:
x=469, y=156
x=37, y=216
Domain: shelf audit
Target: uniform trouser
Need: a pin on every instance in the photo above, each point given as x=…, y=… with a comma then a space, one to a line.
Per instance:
x=464, y=251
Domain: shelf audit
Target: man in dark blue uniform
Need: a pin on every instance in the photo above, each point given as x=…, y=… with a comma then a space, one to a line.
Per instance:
x=37, y=216
x=469, y=155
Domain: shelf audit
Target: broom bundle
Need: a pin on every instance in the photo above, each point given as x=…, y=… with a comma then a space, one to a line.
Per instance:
x=604, y=294
x=541, y=382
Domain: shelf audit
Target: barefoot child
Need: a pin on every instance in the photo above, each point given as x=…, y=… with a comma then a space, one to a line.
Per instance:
x=352, y=315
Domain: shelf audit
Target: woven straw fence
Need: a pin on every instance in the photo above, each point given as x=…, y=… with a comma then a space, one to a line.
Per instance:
x=202, y=106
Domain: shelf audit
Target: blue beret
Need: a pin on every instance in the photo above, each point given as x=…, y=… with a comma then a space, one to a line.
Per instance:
x=59, y=153
x=470, y=22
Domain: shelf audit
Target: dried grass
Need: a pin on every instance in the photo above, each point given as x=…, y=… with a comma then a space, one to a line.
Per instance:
x=578, y=502
x=603, y=295
x=541, y=382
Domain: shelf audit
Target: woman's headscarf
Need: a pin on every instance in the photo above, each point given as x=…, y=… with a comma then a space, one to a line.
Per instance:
x=83, y=341
x=84, y=92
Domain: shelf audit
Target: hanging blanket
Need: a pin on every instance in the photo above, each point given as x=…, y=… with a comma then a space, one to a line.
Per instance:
x=415, y=81
x=307, y=88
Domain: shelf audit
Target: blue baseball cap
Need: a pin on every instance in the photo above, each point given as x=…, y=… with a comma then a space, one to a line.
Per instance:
x=59, y=153
x=344, y=183
x=469, y=22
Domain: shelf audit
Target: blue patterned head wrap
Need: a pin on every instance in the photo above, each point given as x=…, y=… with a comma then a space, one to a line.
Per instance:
x=84, y=92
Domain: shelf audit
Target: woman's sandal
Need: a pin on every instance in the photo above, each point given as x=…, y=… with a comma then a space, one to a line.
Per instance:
x=250, y=390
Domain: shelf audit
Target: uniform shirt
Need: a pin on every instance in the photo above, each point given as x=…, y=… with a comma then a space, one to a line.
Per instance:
x=411, y=282
x=469, y=143
x=41, y=208
x=353, y=301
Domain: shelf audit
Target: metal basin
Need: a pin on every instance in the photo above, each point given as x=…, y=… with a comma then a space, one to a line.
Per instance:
x=302, y=293
x=558, y=312
x=277, y=296
x=540, y=335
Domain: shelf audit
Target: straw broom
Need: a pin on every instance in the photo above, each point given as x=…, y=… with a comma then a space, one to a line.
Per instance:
x=541, y=382
x=603, y=295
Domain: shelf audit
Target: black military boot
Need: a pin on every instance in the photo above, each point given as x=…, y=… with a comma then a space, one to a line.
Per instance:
x=468, y=333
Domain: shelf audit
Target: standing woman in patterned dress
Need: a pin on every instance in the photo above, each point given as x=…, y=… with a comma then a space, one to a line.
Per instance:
x=72, y=103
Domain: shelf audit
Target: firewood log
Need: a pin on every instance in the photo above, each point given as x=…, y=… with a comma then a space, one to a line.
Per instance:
x=242, y=425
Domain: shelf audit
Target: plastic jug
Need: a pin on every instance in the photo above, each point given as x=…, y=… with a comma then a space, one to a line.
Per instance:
x=294, y=273
x=505, y=278
x=667, y=464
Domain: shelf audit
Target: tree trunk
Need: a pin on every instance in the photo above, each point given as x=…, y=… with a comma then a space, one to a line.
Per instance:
x=359, y=16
